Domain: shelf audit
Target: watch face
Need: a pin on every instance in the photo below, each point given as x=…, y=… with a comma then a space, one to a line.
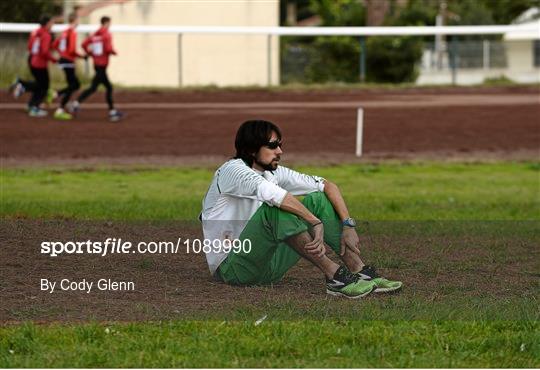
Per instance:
x=350, y=222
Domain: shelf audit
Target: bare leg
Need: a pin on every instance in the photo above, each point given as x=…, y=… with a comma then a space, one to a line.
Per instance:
x=325, y=264
x=352, y=261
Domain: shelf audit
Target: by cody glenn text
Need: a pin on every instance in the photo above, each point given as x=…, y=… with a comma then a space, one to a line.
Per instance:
x=85, y=285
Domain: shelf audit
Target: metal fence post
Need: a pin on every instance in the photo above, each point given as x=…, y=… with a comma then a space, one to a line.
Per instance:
x=454, y=58
x=486, y=54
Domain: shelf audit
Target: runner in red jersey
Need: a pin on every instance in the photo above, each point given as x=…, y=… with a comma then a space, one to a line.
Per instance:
x=99, y=47
x=39, y=45
x=66, y=45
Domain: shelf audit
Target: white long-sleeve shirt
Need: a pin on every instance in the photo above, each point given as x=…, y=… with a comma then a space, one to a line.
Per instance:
x=235, y=194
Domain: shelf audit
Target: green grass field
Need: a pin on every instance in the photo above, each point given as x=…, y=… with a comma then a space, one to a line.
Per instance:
x=400, y=331
x=430, y=191
x=274, y=344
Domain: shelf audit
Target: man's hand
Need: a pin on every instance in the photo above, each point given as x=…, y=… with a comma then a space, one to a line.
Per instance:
x=349, y=239
x=316, y=246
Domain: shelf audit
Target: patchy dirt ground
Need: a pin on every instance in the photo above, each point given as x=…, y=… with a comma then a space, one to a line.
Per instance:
x=320, y=126
x=435, y=267
x=197, y=127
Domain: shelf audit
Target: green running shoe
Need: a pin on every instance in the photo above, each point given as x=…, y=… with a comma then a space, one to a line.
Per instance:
x=51, y=95
x=62, y=115
x=345, y=284
x=382, y=285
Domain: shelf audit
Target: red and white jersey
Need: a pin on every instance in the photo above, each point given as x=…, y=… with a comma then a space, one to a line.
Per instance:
x=66, y=44
x=39, y=46
x=99, y=46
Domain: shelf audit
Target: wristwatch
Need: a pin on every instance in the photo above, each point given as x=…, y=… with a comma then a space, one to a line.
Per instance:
x=349, y=222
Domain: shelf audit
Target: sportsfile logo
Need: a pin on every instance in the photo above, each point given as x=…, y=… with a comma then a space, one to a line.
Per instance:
x=120, y=246
x=109, y=246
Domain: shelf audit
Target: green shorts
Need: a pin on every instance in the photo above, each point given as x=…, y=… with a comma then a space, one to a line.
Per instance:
x=270, y=257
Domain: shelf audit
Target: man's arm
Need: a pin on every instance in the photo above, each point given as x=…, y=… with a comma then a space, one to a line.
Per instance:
x=72, y=45
x=45, y=49
x=109, y=46
x=85, y=45
x=349, y=238
x=293, y=205
x=334, y=196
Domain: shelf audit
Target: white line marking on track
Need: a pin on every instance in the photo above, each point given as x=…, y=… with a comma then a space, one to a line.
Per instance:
x=419, y=101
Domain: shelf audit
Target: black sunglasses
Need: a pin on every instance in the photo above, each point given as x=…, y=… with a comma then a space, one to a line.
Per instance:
x=274, y=144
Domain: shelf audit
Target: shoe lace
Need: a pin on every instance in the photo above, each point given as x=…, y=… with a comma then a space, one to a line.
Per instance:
x=366, y=270
x=371, y=271
x=347, y=277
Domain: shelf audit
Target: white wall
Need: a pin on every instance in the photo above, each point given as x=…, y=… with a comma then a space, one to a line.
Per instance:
x=519, y=54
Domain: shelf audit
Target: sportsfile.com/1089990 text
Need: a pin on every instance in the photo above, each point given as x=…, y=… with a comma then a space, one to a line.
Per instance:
x=119, y=246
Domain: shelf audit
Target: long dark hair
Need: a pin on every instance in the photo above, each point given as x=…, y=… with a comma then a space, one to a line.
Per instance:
x=251, y=135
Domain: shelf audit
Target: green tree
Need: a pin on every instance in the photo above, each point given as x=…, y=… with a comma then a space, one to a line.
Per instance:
x=390, y=59
x=393, y=59
x=470, y=12
x=415, y=13
x=336, y=59
x=505, y=11
x=28, y=10
x=340, y=13
x=328, y=58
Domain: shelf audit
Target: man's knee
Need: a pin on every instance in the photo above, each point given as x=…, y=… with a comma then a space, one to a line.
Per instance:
x=281, y=224
x=312, y=201
x=316, y=198
x=276, y=214
x=319, y=204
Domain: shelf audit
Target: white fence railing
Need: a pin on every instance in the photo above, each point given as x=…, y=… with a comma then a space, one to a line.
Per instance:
x=299, y=31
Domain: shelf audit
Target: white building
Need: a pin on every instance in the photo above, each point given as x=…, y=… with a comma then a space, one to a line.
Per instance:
x=167, y=60
x=516, y=57
x=523, y=55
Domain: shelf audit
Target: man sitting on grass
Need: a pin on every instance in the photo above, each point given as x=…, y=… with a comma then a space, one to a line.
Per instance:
x=252, y=198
